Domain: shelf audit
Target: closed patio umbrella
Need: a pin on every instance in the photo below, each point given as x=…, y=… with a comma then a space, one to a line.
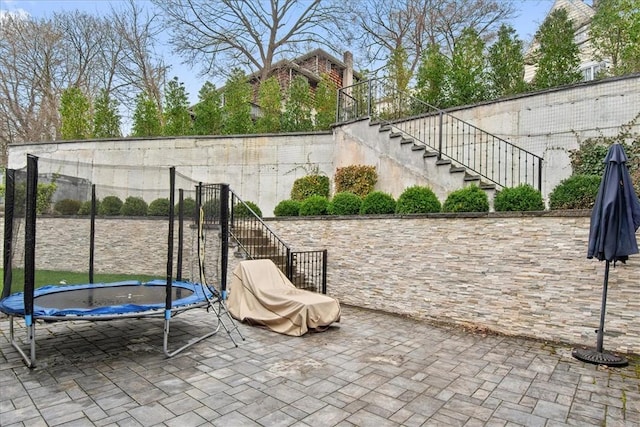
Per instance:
x=614, y=221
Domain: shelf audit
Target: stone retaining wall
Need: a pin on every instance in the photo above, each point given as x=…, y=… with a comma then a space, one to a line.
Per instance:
x=524, y=275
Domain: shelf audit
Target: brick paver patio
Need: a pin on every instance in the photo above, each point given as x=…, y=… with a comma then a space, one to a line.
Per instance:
x=371, y=369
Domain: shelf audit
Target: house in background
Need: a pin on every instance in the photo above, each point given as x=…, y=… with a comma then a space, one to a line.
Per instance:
x=312, y=65
x=581, y=14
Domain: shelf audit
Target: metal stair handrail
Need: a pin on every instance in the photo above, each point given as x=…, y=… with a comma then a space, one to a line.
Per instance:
x=437, y=131
x=305, y=269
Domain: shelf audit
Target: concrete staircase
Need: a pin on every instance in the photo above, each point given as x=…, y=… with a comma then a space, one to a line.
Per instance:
x=403, y=162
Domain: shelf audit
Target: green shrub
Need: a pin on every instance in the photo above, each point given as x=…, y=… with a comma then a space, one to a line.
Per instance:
x=418, y=199
x=85, y=208
x=134, y=206
x=575, y=192
x=314, y=205
x=287, y=208
x=159, y=207
x=67, y=207
x=188, y=207
x=110, y=206
x=241, y=210
x=378, y=202
x=468, y=199
x=44, y=194
x=356, y=179
x=521, y=198
x=345, y=203
x=310, y=185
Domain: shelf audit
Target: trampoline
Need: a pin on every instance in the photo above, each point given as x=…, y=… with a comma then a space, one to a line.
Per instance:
x=164, y=298
x=107, y=301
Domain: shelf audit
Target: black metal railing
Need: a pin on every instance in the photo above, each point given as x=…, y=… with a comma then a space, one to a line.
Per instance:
x=489, y=156
x=256, y=240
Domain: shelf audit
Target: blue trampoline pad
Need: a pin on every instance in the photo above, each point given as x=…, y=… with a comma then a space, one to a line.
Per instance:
x=106, y=298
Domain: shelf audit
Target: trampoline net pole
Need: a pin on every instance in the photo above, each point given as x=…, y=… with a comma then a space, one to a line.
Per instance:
x=9, y=202
x=224, y=236
x=92, y=233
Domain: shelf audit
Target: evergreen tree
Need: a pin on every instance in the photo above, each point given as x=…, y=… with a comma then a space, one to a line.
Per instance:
x=325, y=103
x=432, y=80
x=237, y=105
x=146, y=117
x=615, y=35
x=106, y=120
x=177, y=119
x=399, y=75
x=467, y=74
x=506, y=64
x=270, y=101
x=208, y=111
x=557, y=55
x=75, y=114
x=297, y=114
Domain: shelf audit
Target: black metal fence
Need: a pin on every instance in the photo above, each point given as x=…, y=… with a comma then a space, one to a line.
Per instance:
x=449, y=138
x=255, y=240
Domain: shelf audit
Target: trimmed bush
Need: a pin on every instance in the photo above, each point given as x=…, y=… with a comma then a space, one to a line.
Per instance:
x=188, y=207
x=314, y=205
x=67, y=207
x=345, y=204
x=418, y=199
x=85, y=208
x=575, y=192
x=134, y=206
x=241, y=210
x=518, y=199
x=110, y=206
x=378, y=202
x=159, y=207
x=310, y=185
x=356, y=179
x=468, y=199
x=287, y=208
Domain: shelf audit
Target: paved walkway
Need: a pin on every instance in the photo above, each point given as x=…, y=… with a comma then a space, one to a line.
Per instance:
x=372, y=369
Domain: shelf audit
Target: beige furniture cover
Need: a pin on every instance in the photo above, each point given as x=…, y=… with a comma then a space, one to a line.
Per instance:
x=261, y=294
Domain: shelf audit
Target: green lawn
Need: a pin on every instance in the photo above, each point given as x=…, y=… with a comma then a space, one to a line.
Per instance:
x=48, y=277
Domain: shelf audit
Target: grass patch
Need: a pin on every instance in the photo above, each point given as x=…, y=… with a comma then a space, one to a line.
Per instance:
x=50, y=277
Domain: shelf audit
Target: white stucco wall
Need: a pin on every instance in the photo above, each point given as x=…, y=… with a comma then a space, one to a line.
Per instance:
x=259, y=168
x=550, y=123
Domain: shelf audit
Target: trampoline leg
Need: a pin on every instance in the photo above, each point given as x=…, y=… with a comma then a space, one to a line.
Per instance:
x=196, y=340
x=30, y=360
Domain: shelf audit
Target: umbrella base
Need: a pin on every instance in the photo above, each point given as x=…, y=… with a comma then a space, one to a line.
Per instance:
x=593, y=356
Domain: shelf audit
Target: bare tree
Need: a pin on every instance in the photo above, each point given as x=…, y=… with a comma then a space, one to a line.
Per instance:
x=248, y=34
x=29, y=64
x=385, y=26
x=139, y=67
x=40, y=58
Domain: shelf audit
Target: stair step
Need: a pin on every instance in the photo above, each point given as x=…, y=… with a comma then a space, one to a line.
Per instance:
x=472, y=178
x=457, y=169
x=443, y=162
x=430, y=154
x=406, y=141
x=418, y=147
x=395, y=135
x=487, y=186
x=384, y=128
